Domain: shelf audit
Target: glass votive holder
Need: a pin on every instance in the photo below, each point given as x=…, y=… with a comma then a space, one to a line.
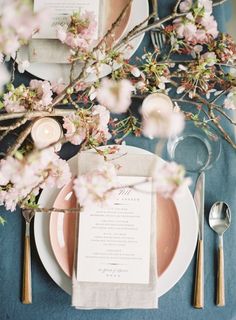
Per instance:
x=196, y=148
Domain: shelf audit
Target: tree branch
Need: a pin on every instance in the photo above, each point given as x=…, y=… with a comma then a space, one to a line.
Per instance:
x=21, y=138
x=177, y=5
x=218, y=2
x=36, y=114
x=61, y=96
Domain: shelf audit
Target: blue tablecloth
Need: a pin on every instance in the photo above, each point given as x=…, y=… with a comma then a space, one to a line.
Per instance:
x=52, y=303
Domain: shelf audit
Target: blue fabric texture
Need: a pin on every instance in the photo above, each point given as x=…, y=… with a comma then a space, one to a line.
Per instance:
x=52, y=303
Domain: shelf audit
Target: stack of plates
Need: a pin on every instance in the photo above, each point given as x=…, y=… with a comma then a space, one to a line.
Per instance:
x=177, y=228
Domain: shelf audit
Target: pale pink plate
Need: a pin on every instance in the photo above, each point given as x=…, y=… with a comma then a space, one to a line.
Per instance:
x=177, y=238
x=62, y=231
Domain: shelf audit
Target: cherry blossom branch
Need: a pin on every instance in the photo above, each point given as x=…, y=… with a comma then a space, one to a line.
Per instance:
x=50, y=210
x=19, y=141
x=14, y=126
x=132, y=35
x=61, y=96
x=225, y=115
x=177, y=6
x=221, y=129
x=57, y=112
x=215, y=120
x=218, y=2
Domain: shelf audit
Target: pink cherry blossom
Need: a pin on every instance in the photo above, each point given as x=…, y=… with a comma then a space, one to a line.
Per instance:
x=20, y=178
x=75, y=129
x=87, y=125
x=210, y=58
x=80, y=32
x=210, y=25
x=44, y=93
x=115, y=95
x=230, y=101
x=199, y=25
x=186, y=5
x=95, y=187
x=11, y=105
x=187, y=31
x=207, y=5
x=17, y=23
x=58, y=86
x=169, y=179
x=101, y=118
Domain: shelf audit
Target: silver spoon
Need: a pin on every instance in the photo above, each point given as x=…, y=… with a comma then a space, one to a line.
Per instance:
x=219, y=221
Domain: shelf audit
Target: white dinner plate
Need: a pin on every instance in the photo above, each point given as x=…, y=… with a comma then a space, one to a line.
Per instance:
x=188, y=222
x=54, y=72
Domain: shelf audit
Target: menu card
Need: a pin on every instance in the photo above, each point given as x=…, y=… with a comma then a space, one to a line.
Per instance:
x=59, y=12
x=114, y=240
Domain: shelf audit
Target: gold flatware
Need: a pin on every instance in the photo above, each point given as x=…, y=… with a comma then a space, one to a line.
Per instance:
x=199, y=198
x=27, y=283
x=219, y=221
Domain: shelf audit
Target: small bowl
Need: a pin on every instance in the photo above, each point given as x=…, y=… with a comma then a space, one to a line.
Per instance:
x=194, y=148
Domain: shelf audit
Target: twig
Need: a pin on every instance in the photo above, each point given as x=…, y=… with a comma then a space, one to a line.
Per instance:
x=61, y=96
x=218, y=2
x=177, y=6
x=224, y=114
x=130, y=36
x=21, y=138
x=219, y=96
x=35, y=114
x=221, y=129
x=14, y=126
x=50, y=210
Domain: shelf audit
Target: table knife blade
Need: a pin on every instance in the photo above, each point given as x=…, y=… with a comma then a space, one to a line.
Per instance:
x=199, y=199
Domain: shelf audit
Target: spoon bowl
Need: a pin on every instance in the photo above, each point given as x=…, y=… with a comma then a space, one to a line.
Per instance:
x=220, y=217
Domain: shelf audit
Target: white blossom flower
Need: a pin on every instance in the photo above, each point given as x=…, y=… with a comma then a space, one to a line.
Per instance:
x=95, y=187
x=230, y=101
x=20, y=178
x=115, y=95
x=169, y=179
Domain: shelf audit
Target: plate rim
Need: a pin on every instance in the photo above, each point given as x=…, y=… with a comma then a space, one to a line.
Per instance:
x=177, y=267
x=140, y=7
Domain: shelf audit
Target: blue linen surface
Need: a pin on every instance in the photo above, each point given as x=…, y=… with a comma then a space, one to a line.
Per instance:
x=52, y=303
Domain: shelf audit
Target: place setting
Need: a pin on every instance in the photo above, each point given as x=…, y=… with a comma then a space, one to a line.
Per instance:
x=116, y=118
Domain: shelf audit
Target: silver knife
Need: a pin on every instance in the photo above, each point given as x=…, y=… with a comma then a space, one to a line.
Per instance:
x=199, y=198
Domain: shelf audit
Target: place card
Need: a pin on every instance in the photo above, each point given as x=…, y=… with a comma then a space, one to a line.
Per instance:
x=114, y=240
x=59, y=12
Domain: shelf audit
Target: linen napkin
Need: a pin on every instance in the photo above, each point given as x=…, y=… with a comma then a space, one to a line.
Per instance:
x=88, y=295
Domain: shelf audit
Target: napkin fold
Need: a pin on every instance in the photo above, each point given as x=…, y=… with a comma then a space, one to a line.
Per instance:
x=88, y=295
x=48, y=51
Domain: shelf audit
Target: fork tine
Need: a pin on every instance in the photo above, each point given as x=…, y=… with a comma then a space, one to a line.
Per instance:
x=158, y=39
x=153, y=38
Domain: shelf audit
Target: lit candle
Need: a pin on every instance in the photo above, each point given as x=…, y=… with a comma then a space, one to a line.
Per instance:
x=156, y=101
x=46, y=131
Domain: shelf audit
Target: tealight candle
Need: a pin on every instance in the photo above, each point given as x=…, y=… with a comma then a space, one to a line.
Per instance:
x=154, y=100
x=46, y=131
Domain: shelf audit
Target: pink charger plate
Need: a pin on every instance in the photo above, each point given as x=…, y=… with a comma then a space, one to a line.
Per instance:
x=62, y=231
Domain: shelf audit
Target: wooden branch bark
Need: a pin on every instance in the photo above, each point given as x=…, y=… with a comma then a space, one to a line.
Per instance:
x=218, y=2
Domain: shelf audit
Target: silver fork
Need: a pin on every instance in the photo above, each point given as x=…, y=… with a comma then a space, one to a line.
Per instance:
x=26, y=282
x=157, y=36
